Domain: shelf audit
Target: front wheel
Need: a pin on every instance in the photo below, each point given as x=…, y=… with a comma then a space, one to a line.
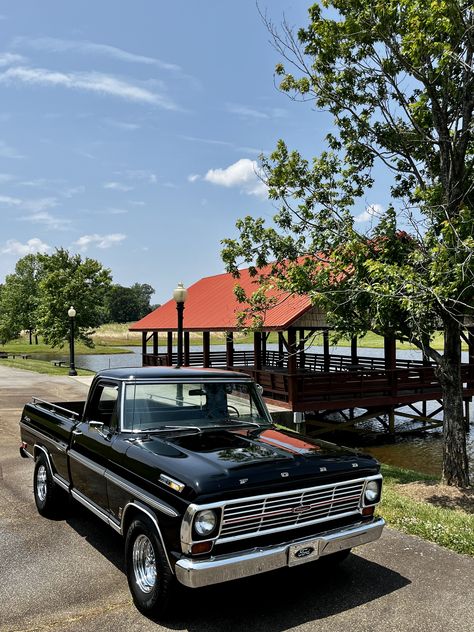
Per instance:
x=49, y=498
x=150, y=579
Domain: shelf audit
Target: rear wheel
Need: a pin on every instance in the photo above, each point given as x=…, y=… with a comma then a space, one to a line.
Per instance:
x=49, y=498
x=149, y=576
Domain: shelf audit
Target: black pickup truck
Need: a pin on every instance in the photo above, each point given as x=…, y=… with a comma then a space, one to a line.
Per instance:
x=187, y=465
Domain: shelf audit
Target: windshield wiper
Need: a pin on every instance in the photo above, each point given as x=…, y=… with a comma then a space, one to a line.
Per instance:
x=171, y=428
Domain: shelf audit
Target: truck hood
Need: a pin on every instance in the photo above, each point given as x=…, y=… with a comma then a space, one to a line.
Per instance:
x=220, y=461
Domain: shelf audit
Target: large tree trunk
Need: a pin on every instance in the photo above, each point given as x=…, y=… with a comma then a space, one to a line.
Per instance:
x=455, y=462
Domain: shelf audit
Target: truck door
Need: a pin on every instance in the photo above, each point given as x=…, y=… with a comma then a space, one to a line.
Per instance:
x=92, y=444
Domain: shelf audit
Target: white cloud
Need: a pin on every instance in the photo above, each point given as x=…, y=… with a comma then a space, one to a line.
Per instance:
x=193, y=177
x=117, y=186
x=50, y=221
x=7, y=200
x=32, y=246
x=373, y=210
x=6, y=177
x=242, y=174
x=223, y=143
x=86, y=81
x=247, y=111
x=101, y=241
x=54, y=45
x=8, y=59
x=6, y=151
x=123, y=125
x=140, y=175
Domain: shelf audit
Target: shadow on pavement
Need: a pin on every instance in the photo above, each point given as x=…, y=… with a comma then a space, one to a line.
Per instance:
x=278, y=600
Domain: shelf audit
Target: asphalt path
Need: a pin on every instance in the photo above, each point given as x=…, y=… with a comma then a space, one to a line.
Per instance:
x=68, y=574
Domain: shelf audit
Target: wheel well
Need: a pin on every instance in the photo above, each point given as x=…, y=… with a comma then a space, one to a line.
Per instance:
x=133, y=511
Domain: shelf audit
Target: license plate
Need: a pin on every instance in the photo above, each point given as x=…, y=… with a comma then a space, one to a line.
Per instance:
x=302, y=553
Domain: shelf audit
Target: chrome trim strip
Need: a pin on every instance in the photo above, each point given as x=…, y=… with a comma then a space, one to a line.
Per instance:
x=43, y=449
x=41, y=435
x=195, y=573
x=139, y=494
x=59, y=480
x=145, y=510
x=37, y=400
x=94, y=509
x=83, y=460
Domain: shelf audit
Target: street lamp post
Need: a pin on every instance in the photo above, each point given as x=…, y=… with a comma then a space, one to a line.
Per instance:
x=72, y=314
x=180, y=294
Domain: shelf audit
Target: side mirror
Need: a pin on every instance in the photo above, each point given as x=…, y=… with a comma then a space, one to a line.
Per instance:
x=98, y=426
x=260, y=389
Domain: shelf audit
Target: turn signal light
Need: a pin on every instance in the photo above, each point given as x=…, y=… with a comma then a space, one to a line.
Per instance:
x=201, y=547
x=368, y=511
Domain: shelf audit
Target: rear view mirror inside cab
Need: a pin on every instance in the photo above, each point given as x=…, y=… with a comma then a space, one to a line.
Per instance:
x=197, y=391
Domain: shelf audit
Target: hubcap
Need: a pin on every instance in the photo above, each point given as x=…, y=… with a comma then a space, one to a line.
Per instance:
x=41, y=483
x=144, y=563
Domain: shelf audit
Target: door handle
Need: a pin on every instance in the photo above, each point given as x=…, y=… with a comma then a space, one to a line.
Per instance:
x=77, y=432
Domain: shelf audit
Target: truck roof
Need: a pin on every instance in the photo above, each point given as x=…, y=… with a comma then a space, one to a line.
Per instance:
x=166, y=373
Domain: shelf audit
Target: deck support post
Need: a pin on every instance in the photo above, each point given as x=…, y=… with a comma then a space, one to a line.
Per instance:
x=390, y=353
x=257, y=350
x=391, y=421
x=169, y=347
x=155, y=344
x=229, y=348
x=292, y=377
x=281, y=349
x=354, y=355
x=327, y=357
x=301, y=348
x=144, y=350
x=264, y=348
x=206, y=349
x=470, y=355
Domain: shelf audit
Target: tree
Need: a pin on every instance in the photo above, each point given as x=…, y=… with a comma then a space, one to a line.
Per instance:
x=397, y=77
x=19, y=299
x=68, y=280
x=127, y=304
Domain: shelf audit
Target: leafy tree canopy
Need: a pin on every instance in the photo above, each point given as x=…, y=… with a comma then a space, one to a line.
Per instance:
x=67, y=280
x=127, y=304
x=397, y=77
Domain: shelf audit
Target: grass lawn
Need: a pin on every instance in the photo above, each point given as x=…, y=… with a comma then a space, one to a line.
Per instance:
x=118, y=334
x=21, y=345
x=40, y=366
x=417, y=504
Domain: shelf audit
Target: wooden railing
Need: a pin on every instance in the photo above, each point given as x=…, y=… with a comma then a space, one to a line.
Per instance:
x=309, y=361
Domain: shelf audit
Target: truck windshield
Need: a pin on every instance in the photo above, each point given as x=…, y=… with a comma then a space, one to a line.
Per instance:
x=156, y=405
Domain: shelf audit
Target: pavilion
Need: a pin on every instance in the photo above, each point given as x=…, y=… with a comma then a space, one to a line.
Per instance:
x=292, y=375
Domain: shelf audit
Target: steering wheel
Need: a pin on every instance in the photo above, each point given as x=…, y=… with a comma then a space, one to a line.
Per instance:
x=234, y=409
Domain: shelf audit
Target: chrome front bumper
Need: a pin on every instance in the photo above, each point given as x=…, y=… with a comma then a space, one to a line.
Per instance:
x=195, y=573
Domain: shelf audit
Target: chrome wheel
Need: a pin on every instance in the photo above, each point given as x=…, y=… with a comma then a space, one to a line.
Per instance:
x=144, y=563
x=41, y=483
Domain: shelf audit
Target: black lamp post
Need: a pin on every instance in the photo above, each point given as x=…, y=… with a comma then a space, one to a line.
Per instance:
x=72, y=314
x=180, y=293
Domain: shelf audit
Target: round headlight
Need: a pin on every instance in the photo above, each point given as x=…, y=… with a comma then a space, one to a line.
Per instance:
x=372, y=491
x=205, y=522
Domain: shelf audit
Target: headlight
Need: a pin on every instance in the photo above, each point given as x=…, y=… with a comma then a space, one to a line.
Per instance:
x=205, y=522
x=372, y=492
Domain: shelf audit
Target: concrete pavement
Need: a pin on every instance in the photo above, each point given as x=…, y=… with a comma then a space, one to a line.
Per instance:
x=68, y=574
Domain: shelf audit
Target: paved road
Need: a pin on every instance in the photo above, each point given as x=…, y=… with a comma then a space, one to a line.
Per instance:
x=68, y=574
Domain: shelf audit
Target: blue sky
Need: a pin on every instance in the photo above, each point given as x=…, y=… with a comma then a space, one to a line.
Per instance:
x=129, y=131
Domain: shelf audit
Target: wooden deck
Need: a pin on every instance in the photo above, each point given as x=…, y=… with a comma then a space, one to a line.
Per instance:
x=334, y=384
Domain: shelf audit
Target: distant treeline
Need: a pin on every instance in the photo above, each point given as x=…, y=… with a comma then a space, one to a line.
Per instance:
x=37, y=296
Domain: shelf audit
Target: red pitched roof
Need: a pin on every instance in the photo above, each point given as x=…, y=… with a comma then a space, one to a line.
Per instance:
x=211, y=306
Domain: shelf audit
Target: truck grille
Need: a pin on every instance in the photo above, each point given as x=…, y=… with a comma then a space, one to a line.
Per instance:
x=283, y=511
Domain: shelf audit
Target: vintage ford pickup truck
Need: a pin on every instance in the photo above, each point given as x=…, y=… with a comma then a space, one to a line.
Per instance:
x=187, y=465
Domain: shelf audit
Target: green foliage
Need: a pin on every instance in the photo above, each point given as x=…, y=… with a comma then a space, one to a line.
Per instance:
x=19, y=298
x=128, y=304
x=67, y=280
x=397, y=77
